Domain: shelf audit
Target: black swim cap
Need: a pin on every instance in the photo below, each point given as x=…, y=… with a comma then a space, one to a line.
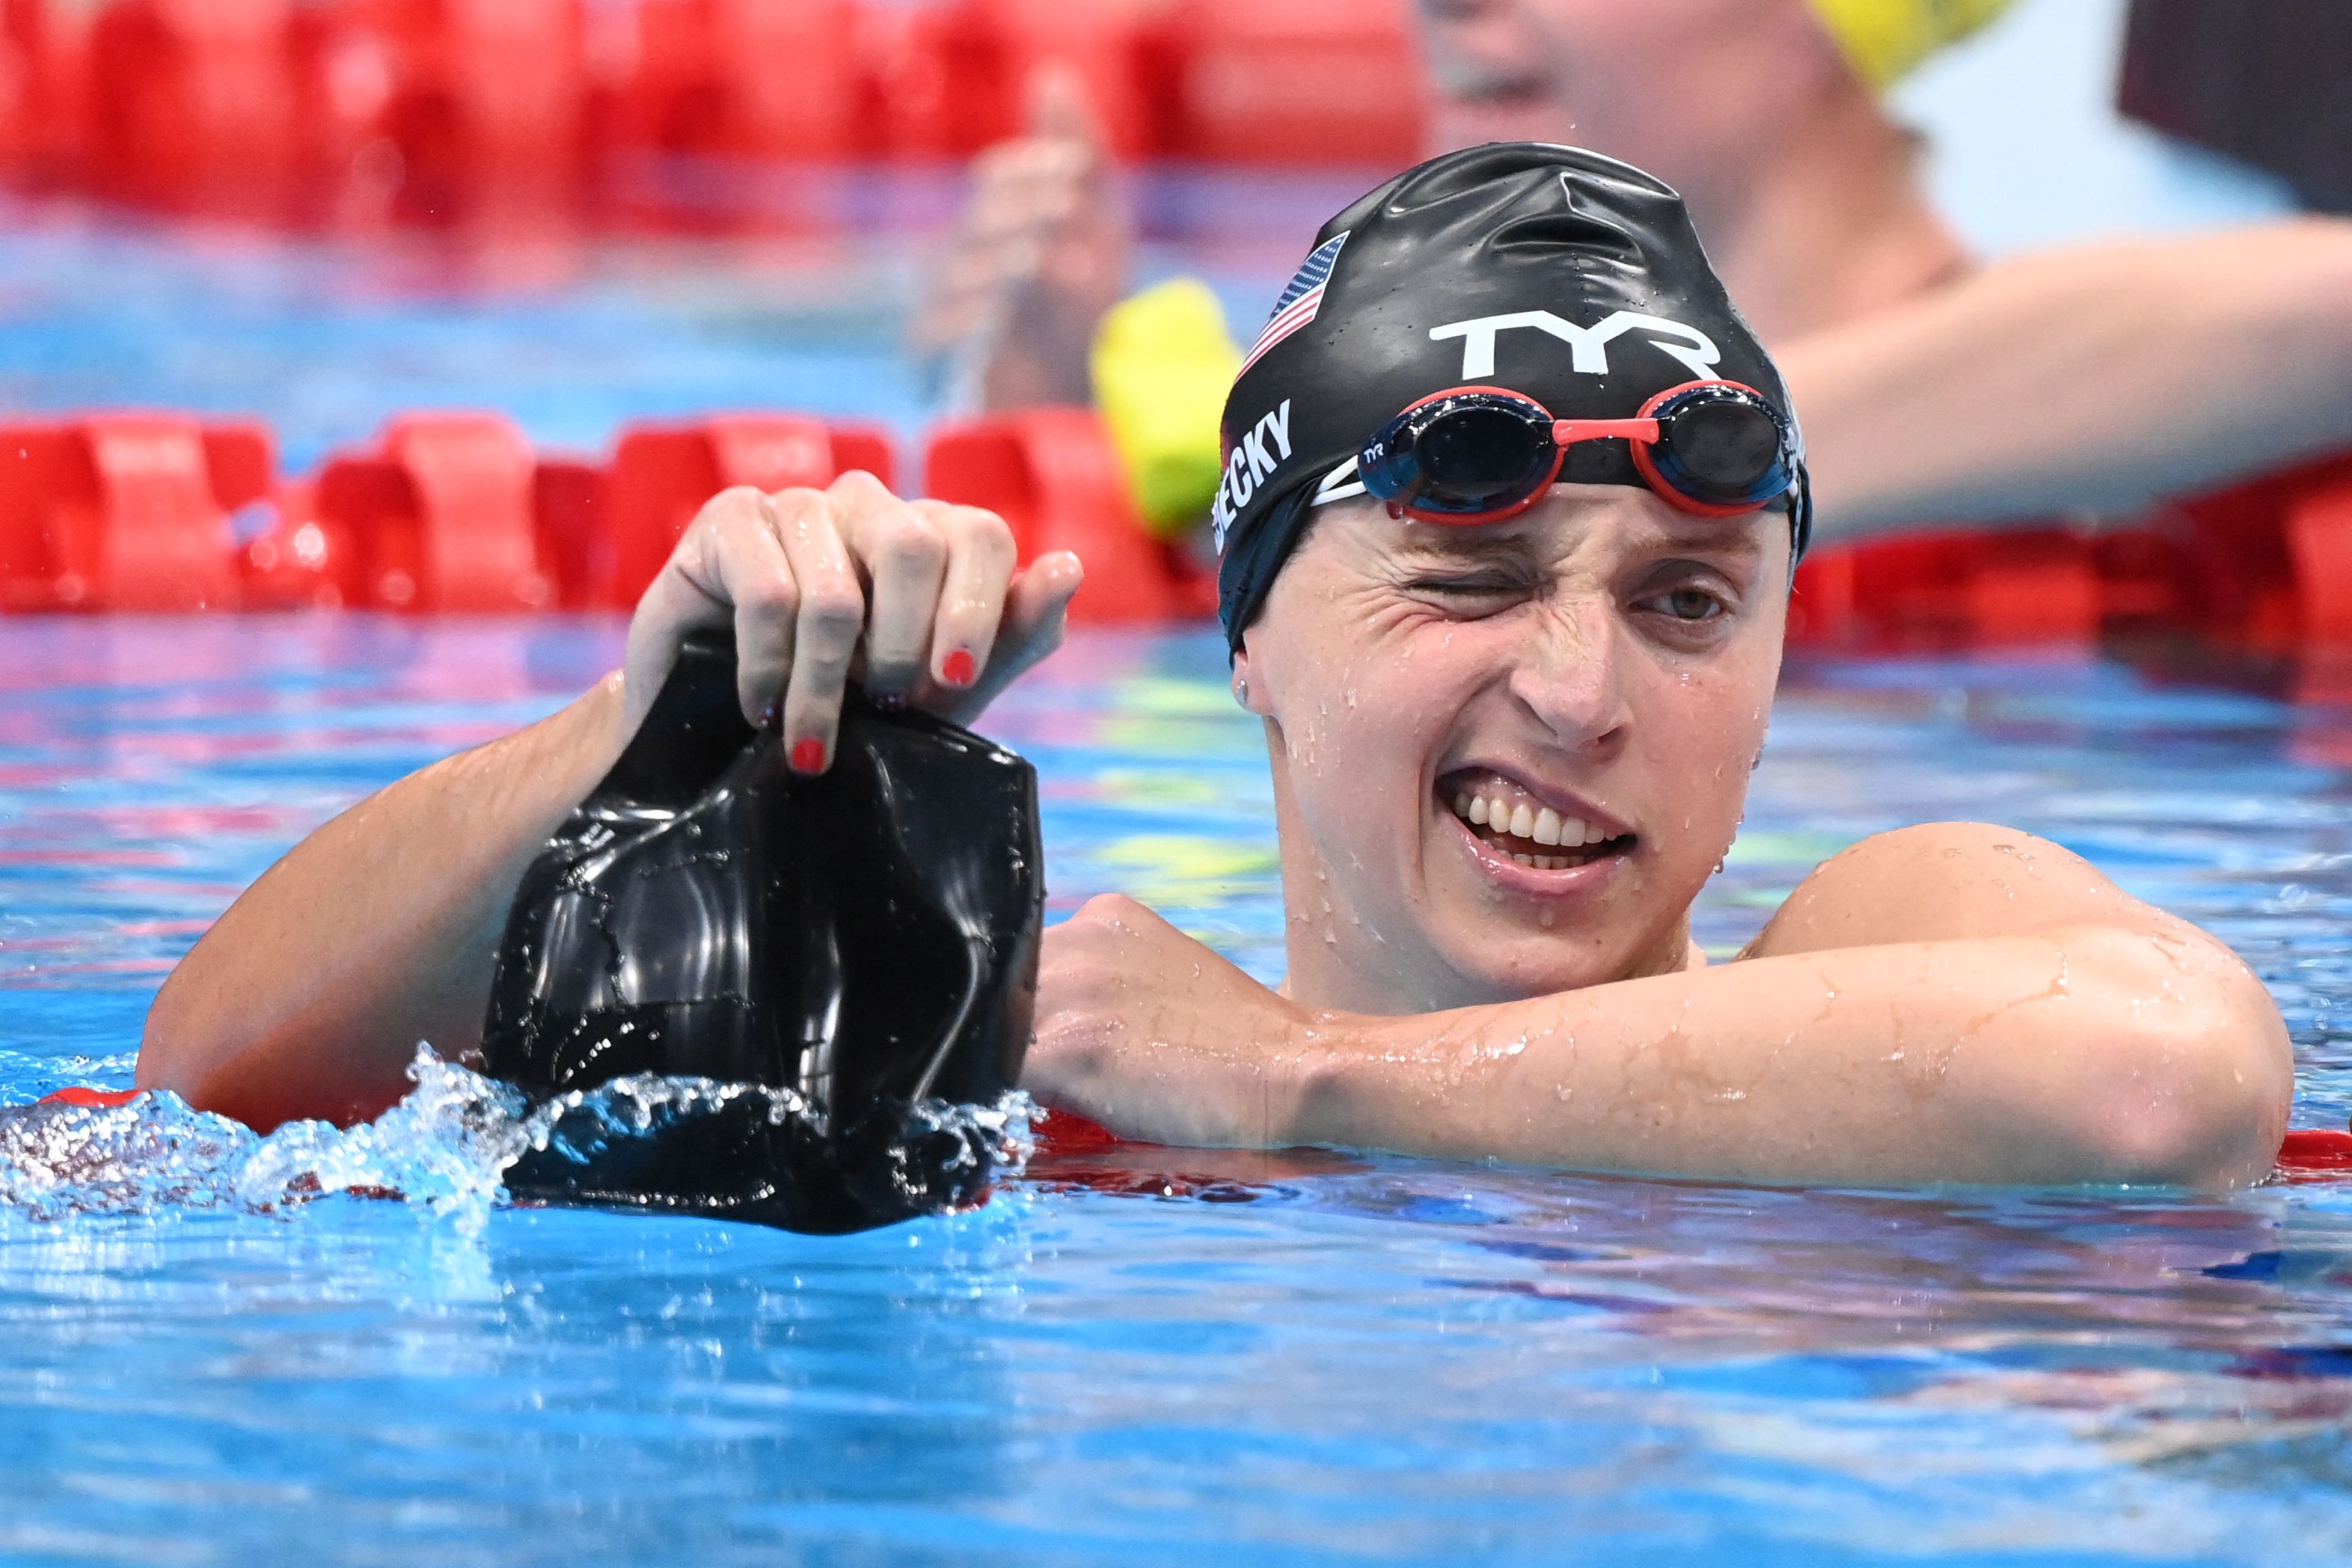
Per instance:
x=1549, y=270
x=852, y=955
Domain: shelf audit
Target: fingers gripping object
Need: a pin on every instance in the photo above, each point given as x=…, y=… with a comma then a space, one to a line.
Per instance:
x=860, y=946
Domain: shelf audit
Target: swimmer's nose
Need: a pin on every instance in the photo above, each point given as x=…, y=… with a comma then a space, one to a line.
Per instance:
x=1574, y=684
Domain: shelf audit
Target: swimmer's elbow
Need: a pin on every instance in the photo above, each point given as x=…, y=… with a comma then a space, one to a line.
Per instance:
x=171, y=1048
x=2188, y=1079
x=2307, y=307
x=186, y=1047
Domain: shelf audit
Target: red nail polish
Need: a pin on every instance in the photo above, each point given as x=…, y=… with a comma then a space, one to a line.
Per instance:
x=808, y=756
x=960, y=668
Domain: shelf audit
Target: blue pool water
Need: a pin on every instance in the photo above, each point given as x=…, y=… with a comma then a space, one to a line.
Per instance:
x=1331, y=1360
x=1294, y=1360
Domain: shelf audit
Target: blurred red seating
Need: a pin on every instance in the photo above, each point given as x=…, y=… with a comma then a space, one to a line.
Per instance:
x=44, y=102
x=953, y=78
x=192, y=104
x=20, y=58
x=430, y=110
x=1300, y=81
x=2036, y=585
x=761, y=78
x=124, y=511
x=2319, y=532
x=438, y=517
x=1053, y=476
x=2266, y=566
x=662, y=474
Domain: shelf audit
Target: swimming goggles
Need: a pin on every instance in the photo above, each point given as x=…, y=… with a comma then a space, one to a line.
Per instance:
x=1481, y=454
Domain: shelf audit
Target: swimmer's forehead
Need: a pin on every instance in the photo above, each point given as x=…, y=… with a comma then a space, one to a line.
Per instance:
x=1563, y=521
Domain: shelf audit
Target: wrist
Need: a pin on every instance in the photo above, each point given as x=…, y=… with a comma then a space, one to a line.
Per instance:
x=1319, y=1057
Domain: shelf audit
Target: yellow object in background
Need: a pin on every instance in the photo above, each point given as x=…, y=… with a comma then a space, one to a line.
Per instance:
x=1163, y=364
x=1887, y=39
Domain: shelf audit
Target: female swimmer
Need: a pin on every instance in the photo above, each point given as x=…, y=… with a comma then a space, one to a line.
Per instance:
x=1507, y=526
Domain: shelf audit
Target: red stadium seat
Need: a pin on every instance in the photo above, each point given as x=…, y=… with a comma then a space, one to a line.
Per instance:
x=119, y=512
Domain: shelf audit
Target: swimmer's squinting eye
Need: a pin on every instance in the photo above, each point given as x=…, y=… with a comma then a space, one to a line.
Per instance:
x=1471, y=592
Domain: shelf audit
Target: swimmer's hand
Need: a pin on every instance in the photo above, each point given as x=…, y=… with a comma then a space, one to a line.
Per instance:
x=1040, y=255
x=1149, y=1033
x=1953, y=1003
x=922, y=601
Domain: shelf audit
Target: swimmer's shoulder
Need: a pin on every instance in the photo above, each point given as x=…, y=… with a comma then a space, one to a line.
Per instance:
x=1944, y=881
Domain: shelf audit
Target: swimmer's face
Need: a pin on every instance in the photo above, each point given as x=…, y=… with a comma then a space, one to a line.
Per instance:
x=1597, y=673
x=1670, y=86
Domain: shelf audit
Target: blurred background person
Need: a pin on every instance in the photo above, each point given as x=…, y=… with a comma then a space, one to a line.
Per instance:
x=1936, y=390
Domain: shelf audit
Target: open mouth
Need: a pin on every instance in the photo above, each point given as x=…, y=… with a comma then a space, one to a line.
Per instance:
x=1507, y=820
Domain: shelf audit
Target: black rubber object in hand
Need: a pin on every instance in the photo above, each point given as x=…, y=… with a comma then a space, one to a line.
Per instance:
x=857, y=944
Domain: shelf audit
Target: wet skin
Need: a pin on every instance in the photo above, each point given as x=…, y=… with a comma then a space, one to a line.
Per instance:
x=1602, y=658
x=1954, y=1002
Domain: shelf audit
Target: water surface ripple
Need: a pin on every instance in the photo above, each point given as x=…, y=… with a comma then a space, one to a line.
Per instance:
x=211, y=1353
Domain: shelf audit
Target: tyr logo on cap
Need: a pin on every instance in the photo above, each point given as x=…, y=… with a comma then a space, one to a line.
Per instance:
x=1589, y=346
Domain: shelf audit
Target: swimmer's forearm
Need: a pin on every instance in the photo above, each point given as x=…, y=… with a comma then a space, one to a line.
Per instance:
x=2124, y=374
x=309, y=997
x=2075, y=1056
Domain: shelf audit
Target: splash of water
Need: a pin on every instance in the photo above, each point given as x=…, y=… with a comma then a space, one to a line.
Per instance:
x=446, y=1147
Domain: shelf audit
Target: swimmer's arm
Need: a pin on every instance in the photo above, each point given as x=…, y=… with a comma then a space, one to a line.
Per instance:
x=1910, y=1018
x=309, y=996
x=380, y=931
x=2100, y=379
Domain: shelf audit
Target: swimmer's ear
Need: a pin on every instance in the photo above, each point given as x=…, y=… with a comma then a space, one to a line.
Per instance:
x=1247, y=691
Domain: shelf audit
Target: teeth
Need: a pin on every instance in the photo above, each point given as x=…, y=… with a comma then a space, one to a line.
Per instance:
x=1540, y=824
x=1524, y=859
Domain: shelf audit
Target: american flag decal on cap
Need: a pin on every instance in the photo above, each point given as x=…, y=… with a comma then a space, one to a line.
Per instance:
x=1300, y=301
